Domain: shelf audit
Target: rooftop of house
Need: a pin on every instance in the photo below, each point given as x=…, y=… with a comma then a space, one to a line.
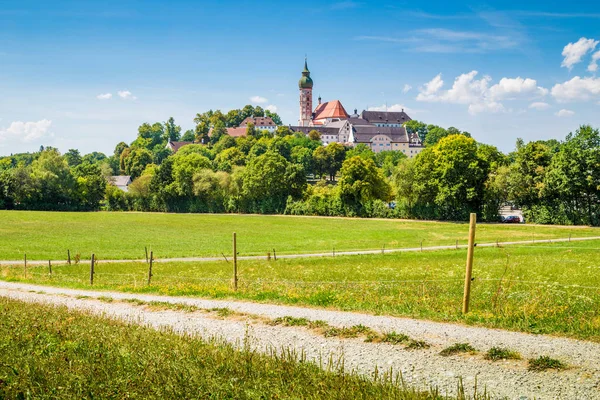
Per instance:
x=175, y=146
x=237, y=132
x=389, y=117
x=259, y=122
x=330, y=109
x=121, y=180
x=364, y=134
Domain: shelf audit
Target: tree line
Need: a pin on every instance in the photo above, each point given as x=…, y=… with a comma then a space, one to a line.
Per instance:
x=555, y=182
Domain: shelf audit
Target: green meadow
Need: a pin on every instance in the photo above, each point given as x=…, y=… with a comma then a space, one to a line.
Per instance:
x=48, y=235
x=537, y=288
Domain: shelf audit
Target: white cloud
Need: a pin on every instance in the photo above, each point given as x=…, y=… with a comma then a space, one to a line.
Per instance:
x=406, y=88
x=258, y=99
x=104, y=96
x=593, y=67
x=430, y=89
x=565, y=113
x=126, y=94
x=271, y=108
x=392, y=108
x=477, y=93
x=539, y=106
x=440, y=40
x=26, y=131
x=510, y=87
x=577, y=89
x=492, y=106
x=574, y=52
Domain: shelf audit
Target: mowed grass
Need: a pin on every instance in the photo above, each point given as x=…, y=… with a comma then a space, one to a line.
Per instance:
x=53, y=353
x=544, y=288
x=48, y=235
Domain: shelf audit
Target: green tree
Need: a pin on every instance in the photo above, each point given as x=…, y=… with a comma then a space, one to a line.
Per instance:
x=184, y=168
x=336, y=154
x=90, y=185
x=314, y=135
x=573, y=177
x=52, y=183
x=274, y=116
x=172, y=132
x=136, y=161
x=451, y=177
x=268, y=180
x=73, y=157
x=228, y=158
x=189, y=136
x=360, y=183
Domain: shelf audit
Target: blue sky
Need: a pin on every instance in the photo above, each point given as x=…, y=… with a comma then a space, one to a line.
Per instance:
x=85, y=75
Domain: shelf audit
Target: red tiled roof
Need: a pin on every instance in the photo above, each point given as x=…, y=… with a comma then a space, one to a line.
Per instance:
x=330, y=109
x=236, y=132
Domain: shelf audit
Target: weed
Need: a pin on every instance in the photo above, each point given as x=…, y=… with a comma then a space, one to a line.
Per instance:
x=290, y=321
x=394, y=338
x=499, y=353
x=544, y=363
x=222, y=312
x=105, y=299
x=417, y=344
x=457, y=349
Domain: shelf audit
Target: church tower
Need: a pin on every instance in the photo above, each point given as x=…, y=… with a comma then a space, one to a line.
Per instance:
x=305, y=84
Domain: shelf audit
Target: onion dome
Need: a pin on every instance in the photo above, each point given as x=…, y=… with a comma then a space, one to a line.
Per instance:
x=305, y=82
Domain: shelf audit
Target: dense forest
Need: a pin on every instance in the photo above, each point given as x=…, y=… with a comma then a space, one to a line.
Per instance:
x=555, y=182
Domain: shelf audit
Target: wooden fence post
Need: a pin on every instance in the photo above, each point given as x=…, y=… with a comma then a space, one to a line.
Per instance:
x=274, y=255
x=235, y=277
x=421, y=246
x=469, y=270
x=50, y=267
x=68, y=256
x=456, y=244
x=150, y=268
x=146, y=249
x=92, y=269
x=268, y=256
x=25, y=265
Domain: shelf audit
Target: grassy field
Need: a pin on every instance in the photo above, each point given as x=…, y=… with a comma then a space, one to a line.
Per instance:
x=48, y=235
x=53, y=353
x=543, y=288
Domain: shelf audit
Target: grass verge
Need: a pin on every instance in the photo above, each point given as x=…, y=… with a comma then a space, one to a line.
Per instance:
x=53, y=353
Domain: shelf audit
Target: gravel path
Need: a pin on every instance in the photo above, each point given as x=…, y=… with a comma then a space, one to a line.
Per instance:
x=423, y=368
x=332, y=253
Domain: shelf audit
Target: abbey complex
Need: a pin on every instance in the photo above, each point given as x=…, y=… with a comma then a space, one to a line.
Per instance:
x=380, y=130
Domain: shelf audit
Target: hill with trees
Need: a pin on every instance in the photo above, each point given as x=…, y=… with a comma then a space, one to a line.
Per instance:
x=556, y=182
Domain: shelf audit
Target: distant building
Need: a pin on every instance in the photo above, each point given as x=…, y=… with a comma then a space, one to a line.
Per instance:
x=386, y=138
x=380, y=130
x=175, y=146
x=121, y=181
x=236, y=132
x=260, y=123
x=385, y=118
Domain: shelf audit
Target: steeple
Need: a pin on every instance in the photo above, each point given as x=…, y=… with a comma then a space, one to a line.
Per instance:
x=305, y=84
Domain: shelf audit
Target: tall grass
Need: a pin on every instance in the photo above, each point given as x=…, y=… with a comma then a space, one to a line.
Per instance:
x=52, y=353
x=549, y=289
